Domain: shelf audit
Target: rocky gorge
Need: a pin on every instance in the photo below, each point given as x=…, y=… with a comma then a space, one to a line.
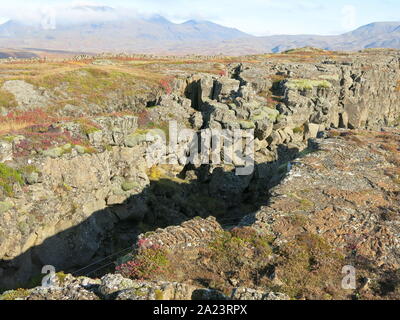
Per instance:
x=76, y=191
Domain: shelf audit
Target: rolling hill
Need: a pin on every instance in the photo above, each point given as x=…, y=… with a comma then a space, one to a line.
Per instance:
x=158, y=35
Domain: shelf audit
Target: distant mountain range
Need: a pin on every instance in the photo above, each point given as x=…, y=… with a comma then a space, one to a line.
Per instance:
x=374, y=35
x=160, y=36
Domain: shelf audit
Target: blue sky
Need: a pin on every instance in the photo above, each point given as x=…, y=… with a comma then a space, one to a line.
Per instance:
x=258, y=17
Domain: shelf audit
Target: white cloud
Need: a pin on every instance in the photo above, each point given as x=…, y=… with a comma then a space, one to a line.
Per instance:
x=50, y=16
x=349, y=17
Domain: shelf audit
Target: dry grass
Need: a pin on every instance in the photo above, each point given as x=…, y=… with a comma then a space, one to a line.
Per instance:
x=17, y=122
x=7, y=100
x=390, y=147
x=14, y=126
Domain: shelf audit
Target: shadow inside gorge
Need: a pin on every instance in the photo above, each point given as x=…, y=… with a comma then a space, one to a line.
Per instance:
x=92, y=247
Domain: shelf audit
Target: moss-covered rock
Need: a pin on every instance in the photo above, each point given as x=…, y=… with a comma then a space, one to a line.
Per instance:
x=135, y=139
x=53, y=153
x=307, y=84
x=247, y=125
x=129, y=185
x=271, y=114
x=141, y=135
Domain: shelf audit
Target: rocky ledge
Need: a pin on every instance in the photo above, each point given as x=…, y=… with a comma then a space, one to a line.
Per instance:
x=116, y=287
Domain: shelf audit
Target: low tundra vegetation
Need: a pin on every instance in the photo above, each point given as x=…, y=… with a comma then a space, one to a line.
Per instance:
x=9, y=177
x=148, y=263
x=18, y=294
x=306, y=267
x=92, y=85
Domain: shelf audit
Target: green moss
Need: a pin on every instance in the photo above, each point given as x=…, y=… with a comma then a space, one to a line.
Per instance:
x=57, y=152
x=8, y=138
x=247, y=125
x=129, y=185
x=280, y=117
x=53, y=153
x=66, y=187
x=88, y=128
x=298, y=130
x=108, y=147
x=265, y=113
x=61, y=277
x=29, y=169
x=8, y=177
x=307, y=84
x=159, y=294
x=259, y=116
x=141, y=292
x=156, y=173
x=15, y=294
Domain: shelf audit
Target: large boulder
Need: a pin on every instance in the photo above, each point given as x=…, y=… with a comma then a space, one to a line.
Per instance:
x=226, y=88
x=27, y=96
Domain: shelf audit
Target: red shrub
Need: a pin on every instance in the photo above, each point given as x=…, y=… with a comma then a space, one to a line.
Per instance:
x=148, y=263
x=166, y=85
x=222, y=73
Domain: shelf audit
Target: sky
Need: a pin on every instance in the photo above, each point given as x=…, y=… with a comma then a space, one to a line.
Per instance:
x=257, y=17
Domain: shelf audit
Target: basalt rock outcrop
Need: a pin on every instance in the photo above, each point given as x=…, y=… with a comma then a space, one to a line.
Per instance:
x=90, y=193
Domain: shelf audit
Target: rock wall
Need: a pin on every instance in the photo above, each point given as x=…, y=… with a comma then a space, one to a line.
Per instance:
x=358, y=93
x=62, y=219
